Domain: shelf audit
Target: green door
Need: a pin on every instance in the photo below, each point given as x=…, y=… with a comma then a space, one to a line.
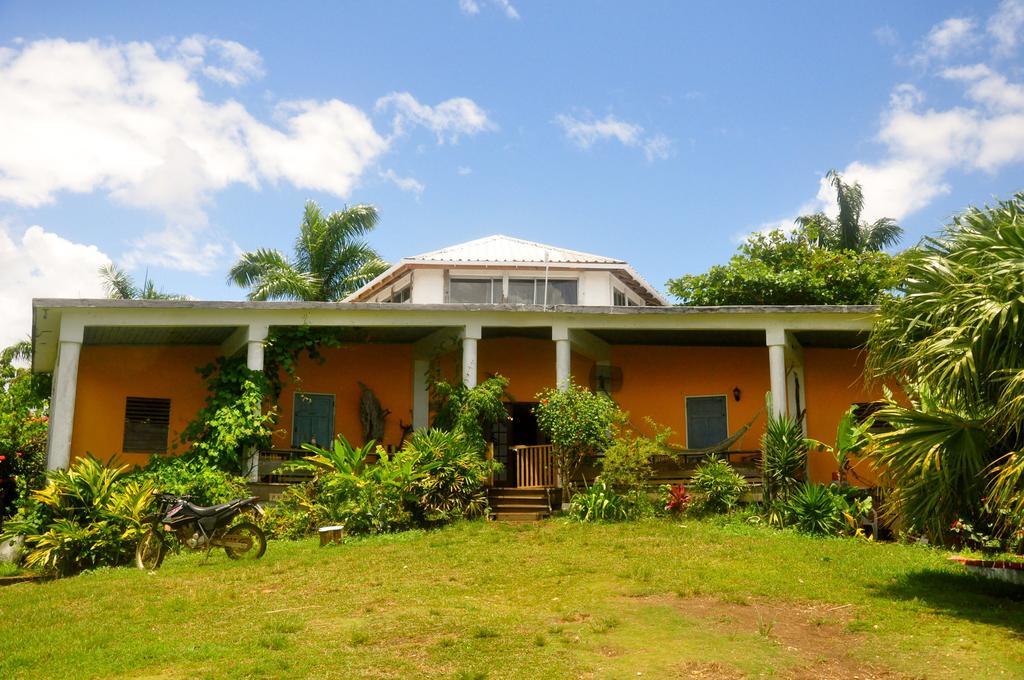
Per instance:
x=314, y=419
x=706, y=423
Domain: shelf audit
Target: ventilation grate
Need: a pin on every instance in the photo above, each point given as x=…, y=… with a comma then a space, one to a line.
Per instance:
x=146, y=424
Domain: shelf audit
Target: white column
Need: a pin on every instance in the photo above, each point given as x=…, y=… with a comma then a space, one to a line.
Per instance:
x=62, y=405
x=420, y=394
x=254, y=362
x=563, y=357
x=470, y=336
x=776, y=340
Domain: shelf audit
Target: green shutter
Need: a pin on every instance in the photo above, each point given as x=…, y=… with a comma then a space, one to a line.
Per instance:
x=314, y=419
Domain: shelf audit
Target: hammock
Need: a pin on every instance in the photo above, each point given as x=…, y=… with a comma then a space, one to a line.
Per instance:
x=720, y=447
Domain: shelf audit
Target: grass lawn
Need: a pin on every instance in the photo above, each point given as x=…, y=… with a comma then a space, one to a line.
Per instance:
x=551, y=600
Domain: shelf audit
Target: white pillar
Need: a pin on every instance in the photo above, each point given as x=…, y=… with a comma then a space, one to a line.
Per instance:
x=420, y=394
x=563, y=364
x=470, y=335
x=777, y=365
x=62, y=405
x=254, y=361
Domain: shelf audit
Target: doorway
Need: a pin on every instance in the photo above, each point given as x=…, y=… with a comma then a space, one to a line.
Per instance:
x=520, y=430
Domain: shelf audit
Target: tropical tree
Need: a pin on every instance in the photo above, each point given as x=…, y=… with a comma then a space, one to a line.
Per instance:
x=119, y=285
x=24, y=402
x=848, y=231
x=331, y=259
x=851, y=439
x=788, y=268
x=952, y=341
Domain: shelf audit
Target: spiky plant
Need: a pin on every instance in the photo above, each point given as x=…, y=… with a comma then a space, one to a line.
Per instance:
x=783, y=455
x=952, y=340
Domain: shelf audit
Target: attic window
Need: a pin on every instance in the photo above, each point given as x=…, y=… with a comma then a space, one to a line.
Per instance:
x=146, y=424
x=399, y=296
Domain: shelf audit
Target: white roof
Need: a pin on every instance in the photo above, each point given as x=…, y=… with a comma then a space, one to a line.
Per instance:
x=499, y=248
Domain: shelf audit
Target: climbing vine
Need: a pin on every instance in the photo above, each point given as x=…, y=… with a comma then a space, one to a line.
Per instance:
x=233, y=419
x=286, y=345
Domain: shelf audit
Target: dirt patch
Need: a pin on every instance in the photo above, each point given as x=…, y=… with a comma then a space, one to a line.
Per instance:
x=816, y=636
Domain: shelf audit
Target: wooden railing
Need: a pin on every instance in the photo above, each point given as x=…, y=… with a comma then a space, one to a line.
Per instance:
x=535, y=467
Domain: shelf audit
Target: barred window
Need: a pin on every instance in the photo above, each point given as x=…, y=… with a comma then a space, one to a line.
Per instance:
x=146, y=424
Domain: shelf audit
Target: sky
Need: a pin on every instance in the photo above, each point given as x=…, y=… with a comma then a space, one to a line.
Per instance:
x=168, y=138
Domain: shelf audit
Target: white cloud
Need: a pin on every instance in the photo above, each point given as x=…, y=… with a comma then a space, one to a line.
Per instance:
x=584, y=133
x=130, y=120
x=947, y=38
x=472, y=7
x=448, y=120
x=39, y=263
x=223, y=61
x=404, y=183
x=1006, y=26
x=464, y=170
x=886, y=35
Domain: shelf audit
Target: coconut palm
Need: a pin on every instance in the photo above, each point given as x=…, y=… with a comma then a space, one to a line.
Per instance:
x=953, y=342
x=331, y=260
x=119, y=285
x=847, y=231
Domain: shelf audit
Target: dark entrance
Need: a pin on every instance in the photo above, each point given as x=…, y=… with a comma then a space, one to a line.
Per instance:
x=521, y=430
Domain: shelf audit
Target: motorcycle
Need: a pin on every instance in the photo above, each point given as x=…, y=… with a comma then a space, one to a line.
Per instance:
x=198, y=528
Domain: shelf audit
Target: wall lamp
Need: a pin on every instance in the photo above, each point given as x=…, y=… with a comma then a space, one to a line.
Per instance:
x=736, y=393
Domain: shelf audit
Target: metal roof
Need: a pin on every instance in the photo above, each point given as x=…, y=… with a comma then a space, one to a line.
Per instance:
x=500, y=248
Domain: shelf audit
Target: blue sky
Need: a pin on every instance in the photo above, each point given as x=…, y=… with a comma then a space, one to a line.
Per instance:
x=167, y=137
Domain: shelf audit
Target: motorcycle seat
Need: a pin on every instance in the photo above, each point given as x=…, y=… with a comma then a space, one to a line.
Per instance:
x=211, y=510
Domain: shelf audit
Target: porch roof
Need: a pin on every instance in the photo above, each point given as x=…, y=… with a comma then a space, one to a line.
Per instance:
x=215, y=322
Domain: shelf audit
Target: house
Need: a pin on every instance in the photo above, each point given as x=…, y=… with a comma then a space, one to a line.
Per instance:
x=126, y=381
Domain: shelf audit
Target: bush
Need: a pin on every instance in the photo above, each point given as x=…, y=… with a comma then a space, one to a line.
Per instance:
x=815, y=509
x=438, y=477
x=676, y=498
x=599, y=502
x=469, y=411
x=579, y=423
x=453, y=487
x=626, y=464
x=192, y=477
x=86, y=517
x=715, y=487
x=783, y=456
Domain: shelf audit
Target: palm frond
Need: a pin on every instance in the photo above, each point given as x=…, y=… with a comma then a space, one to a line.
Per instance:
x=117, y=283
x=269, y=276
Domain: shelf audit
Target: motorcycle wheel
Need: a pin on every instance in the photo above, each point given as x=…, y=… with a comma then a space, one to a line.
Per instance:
x=149, y=554
x=250, y=541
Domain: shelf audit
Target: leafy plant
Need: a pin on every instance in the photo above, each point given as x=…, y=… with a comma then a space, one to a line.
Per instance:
x=341, y=458
x=232, y=421
x=579, y=423
x=783, y=455
x=183, y=476
x=470, y=411
x=952, y=342
x=677, y=498
x=627, y=463
x=815, y=509
x=847, y=231
x=87, y=516
x=851, y=438
x=715, y=487
x=24, y=407
x=453, y=487
x=598, y=503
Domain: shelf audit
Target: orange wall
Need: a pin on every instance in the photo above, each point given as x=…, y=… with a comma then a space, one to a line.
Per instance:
x=109, y=374
x=655, y=381
x=834, y=381
x=529, y=365
x=385, y=369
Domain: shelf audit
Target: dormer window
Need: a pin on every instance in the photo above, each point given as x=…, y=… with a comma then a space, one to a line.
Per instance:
x=399, y=296
x=474, y=291
x=531, y=292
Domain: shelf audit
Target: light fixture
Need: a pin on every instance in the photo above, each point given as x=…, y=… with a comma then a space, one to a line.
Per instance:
x=736, y=393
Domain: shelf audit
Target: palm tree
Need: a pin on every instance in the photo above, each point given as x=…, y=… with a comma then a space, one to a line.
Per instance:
x=847, y=231
x=119, y=285
x=952, y=340
x=331, y=259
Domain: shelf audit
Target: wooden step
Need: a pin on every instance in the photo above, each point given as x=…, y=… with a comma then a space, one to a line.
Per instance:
x=516, y=517
x=519, y=507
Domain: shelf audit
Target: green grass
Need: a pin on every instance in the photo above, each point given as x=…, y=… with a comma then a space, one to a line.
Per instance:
x=551, y=600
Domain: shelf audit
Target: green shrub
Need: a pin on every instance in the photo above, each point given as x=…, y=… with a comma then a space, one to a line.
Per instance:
x=816, y=509
x=715, y=487
x=453, y=487
x=600, y=502
x=579, y=423
x=206, y=485
x=783, y=456
x=627, y=463
x=470, y=411
x=88, y=516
